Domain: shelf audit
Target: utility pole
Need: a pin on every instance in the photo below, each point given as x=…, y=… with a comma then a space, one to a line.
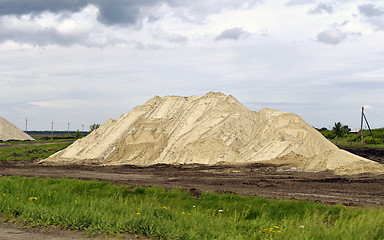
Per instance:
x=361, y=127
x=68, y=128
x=363, y=116
x=26, y=125
x=369, y=129
x=82, y=127
x=52, y=131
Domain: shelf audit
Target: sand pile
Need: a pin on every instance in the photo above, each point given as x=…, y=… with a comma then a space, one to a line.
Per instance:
x=8, y=131
x=210, y=129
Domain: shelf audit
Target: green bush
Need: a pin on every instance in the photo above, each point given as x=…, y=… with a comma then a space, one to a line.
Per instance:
x=78, y=134
x=329, y=134
x=353, y=138
x=369, y=140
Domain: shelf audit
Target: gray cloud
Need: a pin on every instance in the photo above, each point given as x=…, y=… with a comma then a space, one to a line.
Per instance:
x=373, y=14
x=322, y=8
x=21, y=7
x=27, y=31
x=116, y=12
x=335, y=36
x=232, y=34
x=299, y=2
x=370, y=10
x=120, y=11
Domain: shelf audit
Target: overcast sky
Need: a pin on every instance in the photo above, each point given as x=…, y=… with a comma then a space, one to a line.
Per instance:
x=84, y=62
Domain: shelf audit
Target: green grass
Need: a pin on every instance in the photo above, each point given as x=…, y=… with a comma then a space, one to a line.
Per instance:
x=32, y=152
x=103, y=208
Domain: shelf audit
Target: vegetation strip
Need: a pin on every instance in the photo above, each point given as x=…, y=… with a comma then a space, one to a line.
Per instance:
x=30, y=152
x=104, y=208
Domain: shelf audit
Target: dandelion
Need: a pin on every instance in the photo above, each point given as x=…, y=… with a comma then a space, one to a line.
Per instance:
x=32, y=198
x=274, y=229
x=220, y=211
x=4, y=194
x=17, y=198
x=194, y=206
x=138, y=213
x=182, y=212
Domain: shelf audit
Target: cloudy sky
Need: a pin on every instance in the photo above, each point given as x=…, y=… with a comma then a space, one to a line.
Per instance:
x=84, y=62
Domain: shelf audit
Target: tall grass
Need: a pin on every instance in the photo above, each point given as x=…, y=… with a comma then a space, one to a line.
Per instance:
x=103, y=208
x=30, y=152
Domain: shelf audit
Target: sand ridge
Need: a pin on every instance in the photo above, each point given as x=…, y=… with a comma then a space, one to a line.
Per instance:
x=8, y=131
x=210, y=129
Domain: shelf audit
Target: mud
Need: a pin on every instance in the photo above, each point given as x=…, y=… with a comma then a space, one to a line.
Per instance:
x=375, y=154
x=251, y=179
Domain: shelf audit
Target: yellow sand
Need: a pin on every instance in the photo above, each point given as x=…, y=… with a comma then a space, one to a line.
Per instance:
x=211, y=129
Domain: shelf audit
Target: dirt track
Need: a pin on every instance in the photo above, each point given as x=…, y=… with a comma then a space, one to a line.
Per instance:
x=254, y=179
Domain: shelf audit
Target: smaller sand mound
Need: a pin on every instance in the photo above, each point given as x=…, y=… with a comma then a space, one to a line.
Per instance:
x=8, y=131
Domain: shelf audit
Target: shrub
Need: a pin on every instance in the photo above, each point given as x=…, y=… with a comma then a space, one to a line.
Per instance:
x=329, y=134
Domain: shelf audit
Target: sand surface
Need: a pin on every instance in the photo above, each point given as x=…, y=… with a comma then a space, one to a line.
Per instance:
x=8, y=131
x=211, y=129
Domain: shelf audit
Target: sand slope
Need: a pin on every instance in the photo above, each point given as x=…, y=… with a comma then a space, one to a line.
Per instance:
x=8, y=131
x=210, y=129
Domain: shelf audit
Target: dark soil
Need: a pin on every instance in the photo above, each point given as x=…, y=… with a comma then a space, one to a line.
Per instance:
x=375, y=154
x=252, y=179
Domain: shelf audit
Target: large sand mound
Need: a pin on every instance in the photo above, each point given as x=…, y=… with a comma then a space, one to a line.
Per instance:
x=210, y=129
x=8, y=131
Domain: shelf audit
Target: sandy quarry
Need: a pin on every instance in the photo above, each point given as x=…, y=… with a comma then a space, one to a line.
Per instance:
x=8, y=131
x=211, y=129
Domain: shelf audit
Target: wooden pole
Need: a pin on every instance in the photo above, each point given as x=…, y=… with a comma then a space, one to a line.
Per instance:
x=361, y=128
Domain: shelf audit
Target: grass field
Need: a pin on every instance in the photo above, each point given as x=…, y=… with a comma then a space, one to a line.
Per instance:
x=103, y=208
x=31, y=152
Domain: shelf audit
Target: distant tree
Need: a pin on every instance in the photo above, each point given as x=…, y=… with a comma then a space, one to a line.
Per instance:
x=346, y=129
x=323, y=129
x=94, y=126
x=339, y=129
x=78, y=134
x=329, y=134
